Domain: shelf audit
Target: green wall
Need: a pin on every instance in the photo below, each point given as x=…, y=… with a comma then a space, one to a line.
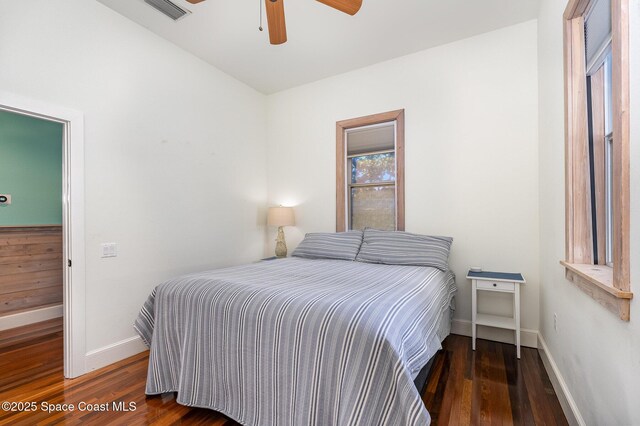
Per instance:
x=30, y=170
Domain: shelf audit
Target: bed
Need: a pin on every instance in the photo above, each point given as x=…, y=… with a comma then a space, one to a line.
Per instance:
x=299, y=341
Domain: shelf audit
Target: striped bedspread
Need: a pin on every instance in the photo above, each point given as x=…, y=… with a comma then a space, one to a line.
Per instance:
x=298, y=341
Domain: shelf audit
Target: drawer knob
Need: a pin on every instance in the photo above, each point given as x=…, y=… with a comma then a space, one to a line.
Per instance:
x=495, y=285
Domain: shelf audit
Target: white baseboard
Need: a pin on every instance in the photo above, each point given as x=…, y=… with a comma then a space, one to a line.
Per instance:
x=567, y=402
x=30, y=317
x=528, y=338
x=115, y=352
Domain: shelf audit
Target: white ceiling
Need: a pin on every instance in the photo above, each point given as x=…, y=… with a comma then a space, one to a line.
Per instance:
x=321, y=41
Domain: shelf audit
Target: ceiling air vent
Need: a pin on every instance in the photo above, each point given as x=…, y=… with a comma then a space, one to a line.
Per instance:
x=170, y=9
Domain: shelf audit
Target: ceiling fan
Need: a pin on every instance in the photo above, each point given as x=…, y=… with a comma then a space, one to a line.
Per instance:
x=275, y=15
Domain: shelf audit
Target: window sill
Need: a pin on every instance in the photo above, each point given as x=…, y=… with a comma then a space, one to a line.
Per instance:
x=597, y=282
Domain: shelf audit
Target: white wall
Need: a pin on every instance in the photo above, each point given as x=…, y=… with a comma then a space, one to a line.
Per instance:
x=471, y=151
x=175, y=149
x=598, y=355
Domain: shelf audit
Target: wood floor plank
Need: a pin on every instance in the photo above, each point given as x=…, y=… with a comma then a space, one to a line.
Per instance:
x=437, y=386
x=30, y=333
x=464, y=387
x=456, y=380
x=495, y=389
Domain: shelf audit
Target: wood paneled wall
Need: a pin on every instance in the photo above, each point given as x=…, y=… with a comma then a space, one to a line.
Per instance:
x=30, y=268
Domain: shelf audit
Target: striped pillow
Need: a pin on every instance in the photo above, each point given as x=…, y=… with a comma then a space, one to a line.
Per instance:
x=403, y=248
x=325, y=245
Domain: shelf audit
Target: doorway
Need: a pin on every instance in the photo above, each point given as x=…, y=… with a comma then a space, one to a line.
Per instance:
x=30, y=232
x=72, y=255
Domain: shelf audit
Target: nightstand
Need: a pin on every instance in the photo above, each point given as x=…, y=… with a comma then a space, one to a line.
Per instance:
x=499, y=282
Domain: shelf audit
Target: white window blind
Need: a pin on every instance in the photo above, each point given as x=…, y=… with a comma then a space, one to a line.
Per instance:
x=597, y=33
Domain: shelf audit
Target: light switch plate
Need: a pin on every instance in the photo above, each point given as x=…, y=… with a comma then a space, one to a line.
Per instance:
x=5, y=199
x=109, y=249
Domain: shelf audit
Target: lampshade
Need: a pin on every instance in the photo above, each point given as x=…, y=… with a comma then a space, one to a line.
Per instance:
x=280, y=216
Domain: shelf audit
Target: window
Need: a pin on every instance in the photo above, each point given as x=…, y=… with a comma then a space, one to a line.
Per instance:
x=599, y=89
x=370, y=172
x=372, y=190
x=597, y=150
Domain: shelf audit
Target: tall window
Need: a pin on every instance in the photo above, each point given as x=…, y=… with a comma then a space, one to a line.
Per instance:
x=597, y=159
x=370, y=172
x=371, y=157
x=601, y=141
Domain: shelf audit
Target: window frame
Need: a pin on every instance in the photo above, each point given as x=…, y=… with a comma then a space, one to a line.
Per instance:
x=609, y=199
x=610, y=286
x=342, y=171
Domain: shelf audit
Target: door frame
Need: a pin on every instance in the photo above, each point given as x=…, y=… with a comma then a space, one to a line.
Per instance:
x=73, y=239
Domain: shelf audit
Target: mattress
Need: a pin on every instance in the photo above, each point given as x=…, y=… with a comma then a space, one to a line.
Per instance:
x=299, y=341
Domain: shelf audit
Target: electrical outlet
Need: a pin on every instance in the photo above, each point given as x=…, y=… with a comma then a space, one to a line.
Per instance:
x=109, y=249
x=555, y=322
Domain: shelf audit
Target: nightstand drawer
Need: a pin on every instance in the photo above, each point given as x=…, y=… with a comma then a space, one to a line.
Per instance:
x=496, y=286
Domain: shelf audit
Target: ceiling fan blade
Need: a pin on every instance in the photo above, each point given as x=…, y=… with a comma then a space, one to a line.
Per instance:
x=195, y=1
x=350, y=7
x=275, y=20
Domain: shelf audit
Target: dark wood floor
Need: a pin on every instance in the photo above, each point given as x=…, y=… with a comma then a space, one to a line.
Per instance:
x=488, y=386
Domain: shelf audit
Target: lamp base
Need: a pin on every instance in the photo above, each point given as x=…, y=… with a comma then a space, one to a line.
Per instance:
x=281, y=245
